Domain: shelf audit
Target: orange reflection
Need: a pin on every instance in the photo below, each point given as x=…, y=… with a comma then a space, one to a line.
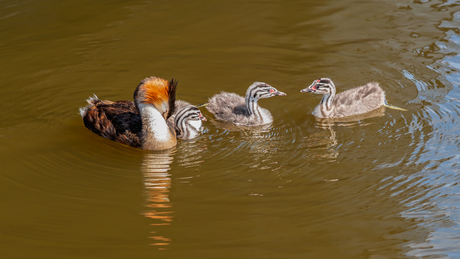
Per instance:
x=157, y=183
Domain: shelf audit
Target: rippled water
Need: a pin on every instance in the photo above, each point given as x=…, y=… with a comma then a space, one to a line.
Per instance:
x=386, y=186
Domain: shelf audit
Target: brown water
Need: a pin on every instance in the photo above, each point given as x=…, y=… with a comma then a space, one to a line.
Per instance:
x=381, y=187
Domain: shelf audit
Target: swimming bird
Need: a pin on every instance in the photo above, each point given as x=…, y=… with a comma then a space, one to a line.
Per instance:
x=233, y=108
x=143, y=123
x=186, y=120
x=355, y=101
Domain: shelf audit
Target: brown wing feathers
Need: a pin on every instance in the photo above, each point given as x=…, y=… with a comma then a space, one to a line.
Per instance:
x=119, y=121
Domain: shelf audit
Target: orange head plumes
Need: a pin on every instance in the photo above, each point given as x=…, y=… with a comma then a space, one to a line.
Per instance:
x=158, y=92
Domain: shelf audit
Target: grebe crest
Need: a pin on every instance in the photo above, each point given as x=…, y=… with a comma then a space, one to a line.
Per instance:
x=158, y=92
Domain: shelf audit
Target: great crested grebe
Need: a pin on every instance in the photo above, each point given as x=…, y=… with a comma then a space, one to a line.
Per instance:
x=355, y=101
x=143, y=123
x=230, y=107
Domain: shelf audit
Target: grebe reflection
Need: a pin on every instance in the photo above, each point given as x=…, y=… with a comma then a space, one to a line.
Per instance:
x=157, y=181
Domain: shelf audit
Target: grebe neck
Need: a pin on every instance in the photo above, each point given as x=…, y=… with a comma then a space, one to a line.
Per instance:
x=254, y=108
x=156, y=135
x=326, y=101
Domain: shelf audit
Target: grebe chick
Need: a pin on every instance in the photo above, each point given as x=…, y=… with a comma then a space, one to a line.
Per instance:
x=230, y=107
x=355, y=101
x=187, y=120
x=141, y=123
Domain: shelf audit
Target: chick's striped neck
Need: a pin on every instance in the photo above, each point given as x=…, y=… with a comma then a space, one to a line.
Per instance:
x=326, y=101
x=252, y=96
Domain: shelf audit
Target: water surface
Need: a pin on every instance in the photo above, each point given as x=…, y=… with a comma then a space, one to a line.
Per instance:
x=378, y=187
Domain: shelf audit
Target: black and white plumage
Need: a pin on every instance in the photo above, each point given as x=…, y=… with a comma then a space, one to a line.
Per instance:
x=187, y=120
x=355, y=101
x=233, y=108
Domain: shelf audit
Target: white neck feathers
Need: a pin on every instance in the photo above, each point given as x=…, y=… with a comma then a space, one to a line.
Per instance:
x=156, y=134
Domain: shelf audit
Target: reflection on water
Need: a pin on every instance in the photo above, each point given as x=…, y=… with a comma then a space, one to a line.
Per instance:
x=156, y=168
x=325, y=142
x=157, y=182
x=191, y=152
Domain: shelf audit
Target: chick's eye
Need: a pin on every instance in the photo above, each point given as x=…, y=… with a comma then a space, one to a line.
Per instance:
x=272, y=91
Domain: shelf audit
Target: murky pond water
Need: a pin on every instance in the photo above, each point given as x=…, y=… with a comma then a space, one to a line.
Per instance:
x=379, y=187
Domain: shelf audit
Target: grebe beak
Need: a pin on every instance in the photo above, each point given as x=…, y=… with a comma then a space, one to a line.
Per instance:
x=311, y=89
x=279, y=93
